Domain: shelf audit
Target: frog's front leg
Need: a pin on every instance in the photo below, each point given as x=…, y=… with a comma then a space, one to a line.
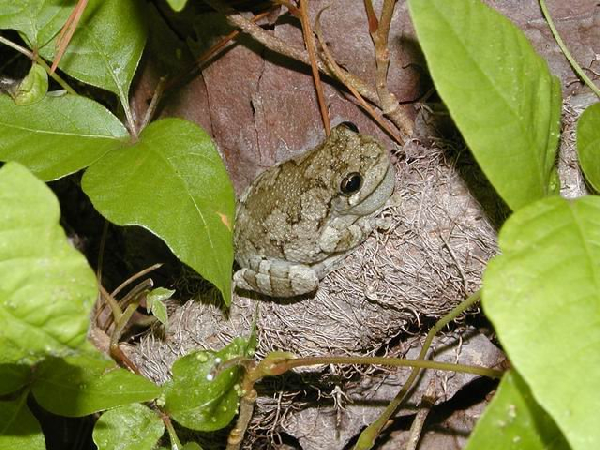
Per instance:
x=341, y=237
x=276, y=277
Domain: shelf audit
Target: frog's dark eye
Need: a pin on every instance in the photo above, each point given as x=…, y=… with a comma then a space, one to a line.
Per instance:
x=351, y=183
x=351, y=126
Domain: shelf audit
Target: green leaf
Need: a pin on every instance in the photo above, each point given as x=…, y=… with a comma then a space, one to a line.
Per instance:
x=155, y=302
x=107, y=46
x=514, y=421
x=47, y=288
x=198, y=398
x=191, y=446
x=38, y=20
x=543, y=296
x=131, y=427
x=172, y=182
x=498, y=90
x=588, y=144
x=57, y=136
x=13, y=376
x=33, y=87
x=19, y=430
x=177, y=5
x=76, y=386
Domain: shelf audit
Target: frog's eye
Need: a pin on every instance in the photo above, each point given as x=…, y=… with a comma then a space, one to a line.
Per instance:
x=351, y=183
x=351, y=126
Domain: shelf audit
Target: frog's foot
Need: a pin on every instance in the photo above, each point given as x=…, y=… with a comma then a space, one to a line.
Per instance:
x=277, y=278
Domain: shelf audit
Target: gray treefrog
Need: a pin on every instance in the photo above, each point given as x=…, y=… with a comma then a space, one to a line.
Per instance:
x=298, y=218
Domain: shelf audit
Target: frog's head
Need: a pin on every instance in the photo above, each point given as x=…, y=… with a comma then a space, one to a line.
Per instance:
x=363, y=175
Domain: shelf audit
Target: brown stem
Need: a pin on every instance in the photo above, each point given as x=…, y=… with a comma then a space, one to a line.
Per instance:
x=134, y=277
x=344, y=78
x=398, y=116
x=371, y=17
x=280, y=46
x=67, y=31
x=158, y=91
x=380, y=35
x=236, y=435
x=309, y=40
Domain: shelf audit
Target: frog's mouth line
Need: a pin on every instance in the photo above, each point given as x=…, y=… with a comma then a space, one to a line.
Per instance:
x=376, y=199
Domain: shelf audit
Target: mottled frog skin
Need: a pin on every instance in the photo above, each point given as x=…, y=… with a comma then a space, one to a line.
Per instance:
x=298, y=218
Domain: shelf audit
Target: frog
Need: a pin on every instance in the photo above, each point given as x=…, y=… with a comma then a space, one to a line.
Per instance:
x=298, y=219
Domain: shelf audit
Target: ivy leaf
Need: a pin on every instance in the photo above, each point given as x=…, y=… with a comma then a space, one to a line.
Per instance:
x=47, y=288
x=107, y=45
x=499, y=92
x=130, y=427
x=76, y=386
x=198, y=398
x=548, y=278
x=156, y=305
x=19, y=430
x=588, y=144
x=523, y=423
x=58, y=135
x=33, y=87
x=173, y=182
x=38, y=20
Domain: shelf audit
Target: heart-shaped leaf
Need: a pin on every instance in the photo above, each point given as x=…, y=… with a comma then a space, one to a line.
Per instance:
x=76, y=386
x=107, y=45
x=38, y=20
x=58, y=135
x=130, y=427
x=201, y=397
x=173, y=182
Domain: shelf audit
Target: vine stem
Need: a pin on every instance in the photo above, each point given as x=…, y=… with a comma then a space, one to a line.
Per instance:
x=25, y=51
x=576, y=67
x=367, y=437
x=394, y=362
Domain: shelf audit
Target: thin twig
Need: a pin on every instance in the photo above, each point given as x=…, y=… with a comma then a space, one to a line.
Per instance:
x=38, y=59
x=134, y=277
x=17, y=47
x=67, y=31
x=416, y=428
x=112, y=303
x=290, y=7
x=55, y=76
x=397, y=116
x=371, y=18
x=132, y=295
x=160, y=88
x=341, y=75
x=380, y=38
x=211, y=52
x=280, y=46
x=309, y=40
